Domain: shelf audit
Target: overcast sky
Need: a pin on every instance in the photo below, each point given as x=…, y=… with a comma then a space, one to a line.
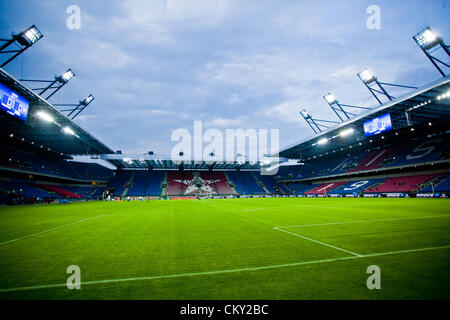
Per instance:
x=157, y=65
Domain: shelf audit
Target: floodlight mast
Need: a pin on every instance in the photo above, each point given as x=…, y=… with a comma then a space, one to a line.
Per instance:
x=58, y=82
x=84, y=104
x=77, y=107
x=339, y=108
x=314, y=123
x=23, y=40
x=371, y=82
x=428, y=40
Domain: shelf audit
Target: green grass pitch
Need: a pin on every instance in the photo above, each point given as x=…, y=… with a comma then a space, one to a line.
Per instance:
x=269, y=248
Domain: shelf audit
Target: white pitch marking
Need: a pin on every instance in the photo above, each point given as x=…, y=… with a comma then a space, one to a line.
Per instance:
x=361, y=221
x=319, y=242
x=48, y=230
x=194, y=274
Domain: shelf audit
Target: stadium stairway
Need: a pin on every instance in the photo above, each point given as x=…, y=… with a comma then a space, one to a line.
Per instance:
x=128, y=184
x=164, y=184
x=441, y=184
x=229, y=183
x=260, y=183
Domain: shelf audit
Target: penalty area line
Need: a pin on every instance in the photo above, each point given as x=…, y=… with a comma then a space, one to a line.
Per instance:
x=362, y=221
x=318, y=242
x=249, y=269
x=49, y=230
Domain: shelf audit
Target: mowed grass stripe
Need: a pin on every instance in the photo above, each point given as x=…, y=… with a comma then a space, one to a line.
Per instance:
x=49, y=230
x=249, y=269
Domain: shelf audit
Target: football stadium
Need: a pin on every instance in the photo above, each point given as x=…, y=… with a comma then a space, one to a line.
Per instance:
x=356, y=209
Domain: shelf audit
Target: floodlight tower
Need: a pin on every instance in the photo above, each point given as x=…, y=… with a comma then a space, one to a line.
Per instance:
x=371, y=82
x=58, y=82
x=315, y=124
x=338, y=108
x=23, y=40
x=82, y=104
x=429, y=41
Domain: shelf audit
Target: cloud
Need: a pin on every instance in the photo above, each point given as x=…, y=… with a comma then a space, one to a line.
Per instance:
x=227, y=122
x=144, y=12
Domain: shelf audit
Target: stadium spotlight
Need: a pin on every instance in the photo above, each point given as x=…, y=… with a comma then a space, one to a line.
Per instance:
x=65, y=77
x=330, y=98
x=57, y=83
x=44, y=116
x=68, y=130
x=25, y=39
x=62, y=79
x=305, y=113
x=346, y=132
x=315, y=124
x=338, y=107
x=371, y=82
x=82, y=104
x=322, y=141
x=427, y=38
x=30, y=36
x=88, y=100
x=366, y=76
x=429, y=41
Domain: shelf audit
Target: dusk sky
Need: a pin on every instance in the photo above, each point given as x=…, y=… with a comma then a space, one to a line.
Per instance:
x=155, y=66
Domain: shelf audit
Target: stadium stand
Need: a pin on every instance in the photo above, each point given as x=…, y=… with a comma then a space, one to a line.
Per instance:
x=245, y=182
x=402, y=184
x=356, y=187
x=146, y=183
x=440, y=184
x=117, y=183
x=324, y=188
x=411, y=157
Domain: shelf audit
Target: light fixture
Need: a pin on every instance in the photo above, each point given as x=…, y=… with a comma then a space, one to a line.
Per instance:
x=66, y=76
x=88, y=100
x=68, y=130
x=305, y=113
x=322, y=141
x=44, y=116
x=427, y=38
x=346, y=132
x=330, y=98
x=30, y=36
x=23, y=41
x=366, y=76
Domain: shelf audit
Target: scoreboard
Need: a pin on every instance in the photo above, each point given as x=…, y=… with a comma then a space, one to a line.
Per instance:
x=13, y=103
x=377, y=125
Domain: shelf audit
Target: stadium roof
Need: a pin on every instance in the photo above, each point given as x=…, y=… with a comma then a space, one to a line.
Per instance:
x=49, y=135
x=161, y=162
x=423, y=105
